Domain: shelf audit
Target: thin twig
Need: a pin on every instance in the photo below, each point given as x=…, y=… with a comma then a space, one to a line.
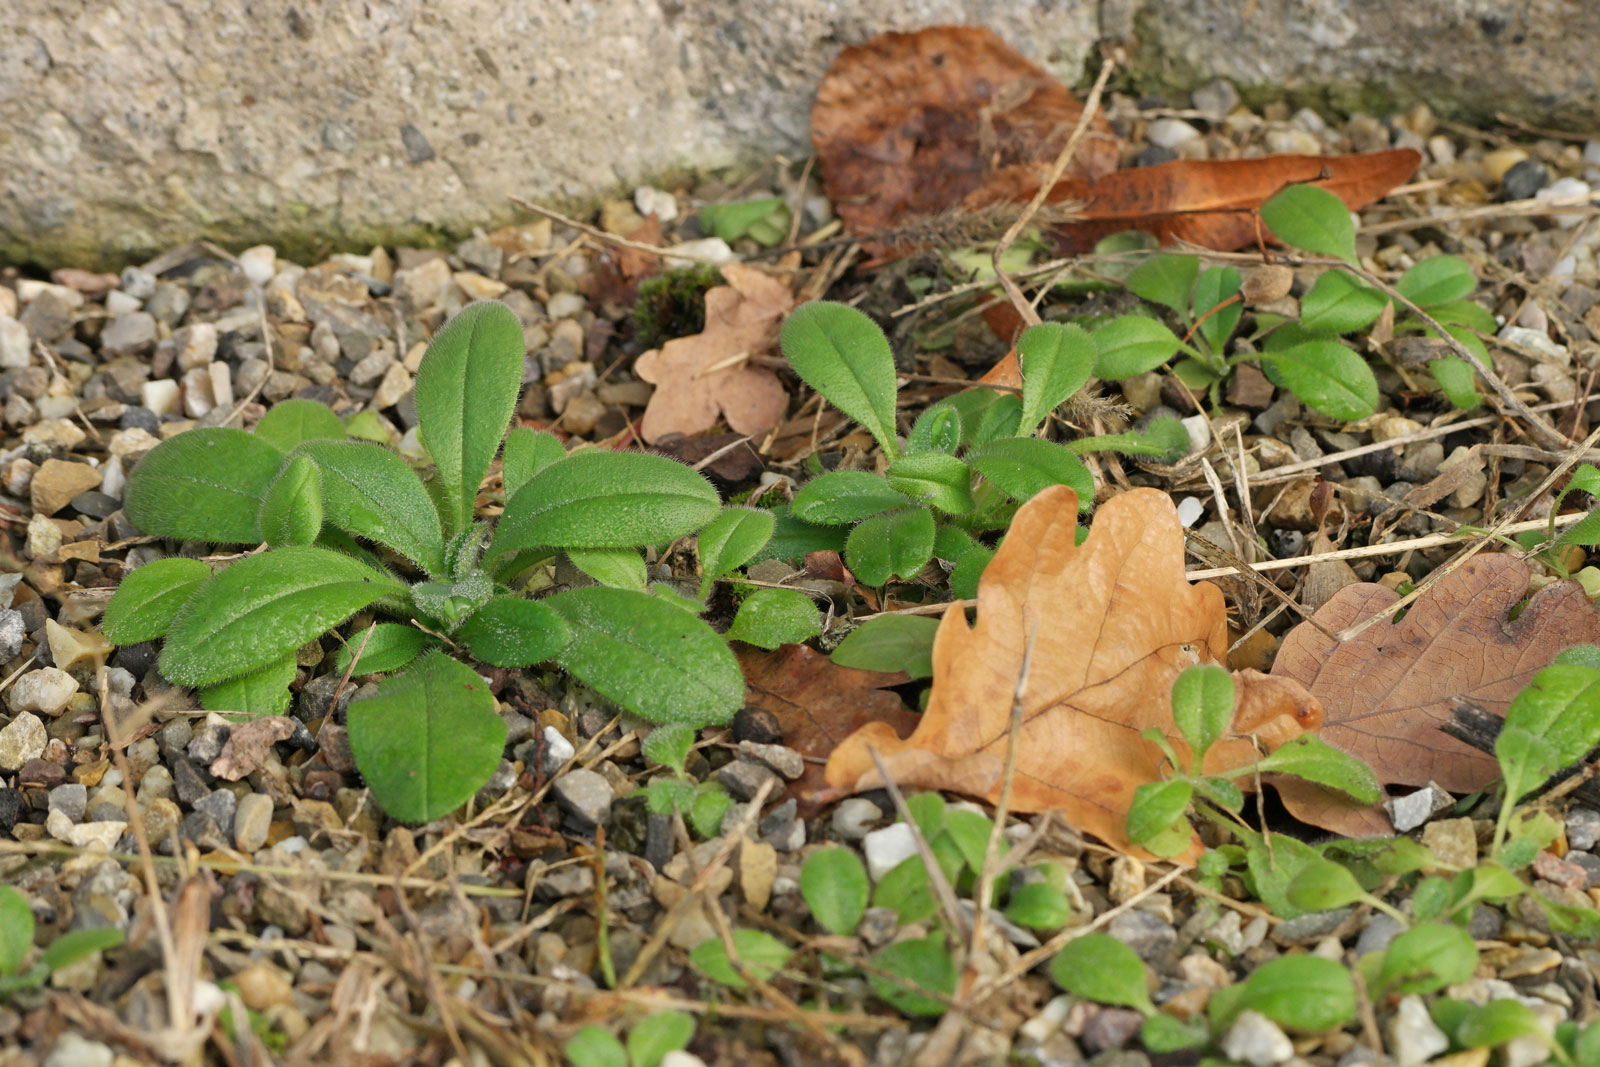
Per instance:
x=941, y=885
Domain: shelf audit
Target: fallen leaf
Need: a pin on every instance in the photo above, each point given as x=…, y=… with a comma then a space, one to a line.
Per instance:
x=1113, y=622
x=908, y=124
x=818, y=704
x=1386, y=692
x=249, y=743
x=706, y=374
x=737, y=460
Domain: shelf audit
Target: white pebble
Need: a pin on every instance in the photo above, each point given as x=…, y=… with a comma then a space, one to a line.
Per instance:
x=259, y=263
x=120, y=303
x=1199, y=432
x=681, y=1058
x=48, y=690
x=658, y=202
x=1561, y=189
x=886, y=849
x=1257, y=1040
x=1170, y=133
x=160, y=396
x=14, y=343
x=1414, y=1039
x=1190, y=510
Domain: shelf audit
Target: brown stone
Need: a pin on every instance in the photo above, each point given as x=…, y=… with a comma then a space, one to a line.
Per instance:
x=57, y=481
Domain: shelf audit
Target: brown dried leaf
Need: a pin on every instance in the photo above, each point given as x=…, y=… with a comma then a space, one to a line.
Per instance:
x=248, y=744
x=909, y=123
x=1386, y=691
x=818, y=704
x=1113, y=623
x=708, y=373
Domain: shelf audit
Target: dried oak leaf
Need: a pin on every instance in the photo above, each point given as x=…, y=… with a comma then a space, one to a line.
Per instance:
x=1113, y=622
x=706, y=374
x=818, y=704
x=909, y=123
x=1386, y=691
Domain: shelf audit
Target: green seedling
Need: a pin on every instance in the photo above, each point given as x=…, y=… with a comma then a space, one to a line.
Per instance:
x=16, y=945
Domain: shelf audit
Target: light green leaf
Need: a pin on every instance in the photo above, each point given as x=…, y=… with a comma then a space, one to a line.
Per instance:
x=527, y=452
x=1056, y=362
x=937, y=429
x=1163, y=439
x=1306, y=993
x=1312, y=219
x=1130, y=345
x=1202, y=707
x=1457, y=380
x=835, y=887
x=595, y=1046
x=1497, y=1022
x=669, y=745
x=598, y=499
x=1338, y=303
x=711, y=803
x=760, y=954
x=1426, y=958
x=843, y=355
x=261, y=607
x=369, y=491
x=1272, y=869
x=622, y=568
x=1166, y=279
x=366, y=425
x=731, y=540
x=291, y=421
x=509, y=631
x=653, y=659
x=768, y=618
x=74, y=945
x=735, y=220
x=1550, y=724
x=466, y=390
x=1001, y=419
x=149, y=598
x=845, y=496
x=1437, y=280
x=1039, y=906
x=894, y=543
x=428, y=739
x=203, y=485
x=934, y=478
x=1327, y=376
x=1156, y=816
x=16, y=929
x=391, y=646
x=890, y=643
x=254, y=695
x=657, y=1034
x=907, y=971
x=1313, y=759
x=1024, y=466
x=291, y=512
x=1100, y=968
x=1323, y=886
x=1217, y=319
x=1162, y=1033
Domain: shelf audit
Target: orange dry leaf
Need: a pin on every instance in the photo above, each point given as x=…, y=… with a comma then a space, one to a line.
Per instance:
x=1113, y=623
x=706, y=374
x=909, y=123
x=1386, y=691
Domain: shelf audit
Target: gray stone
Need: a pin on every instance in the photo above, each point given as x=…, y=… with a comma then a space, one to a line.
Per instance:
x=21, y=740
x=585, y=795
x=45, y=690
x=1309, y=929
x=16, y=348
x=1415, y=808
x=1110, y=1028
x=786, y=761
x=782, y=828
x=853, y=818
x=1583, y=828
x=220, y=806
x=206, y=743
x=1256, y=1040
x=71, y=800
x=132, y=334
x=74, y=1051
x=1146, y=933
x=12, y=634
x=557, y=750
x=743, y=778
x=1376, y=935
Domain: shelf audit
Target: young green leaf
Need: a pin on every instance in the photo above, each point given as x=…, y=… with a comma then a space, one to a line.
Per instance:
x=369, y=491
x=428, y=739
x=1161, y=1033
x=16, y=929
x=970, y=832
x=760, y=955
x=1324, y=886
x=711, y=803
x=1164, y=438
x=1272, y=868
x=1100, y=968
x=261, y=607
x=1327, y=376
x=1338, y=303
x=1550, y=724
x=1157, y=815
x=890, y=643
x=1039, y=906
x=1313, y=219
x=669, y=745
x=1426, y=958
x=291, y=512
x=527, y=452
x=1307, y=993
x=731, y=540
x=909, y=970
x=1215, y=315
x=203, y=485
x=466, y=390
x=1202, y=707
x=840, y=497
x=595, y=1046
x=1024, y=466
x=651, y=658
x=1001, y=419
x=598, y=499
x=149, y=598
x=622, y=568
x=1577, y=655
x=391, y=646
x=835, y=887
x=367, y=426
x=1130, y=345
x=1313, y=759
x=768, y=618
x=1497, y=1022
x=894, y=543
x=657, y=1034
x=741, y=218
x=972, y=405
x=843, y=355
x=510, y=631
x=1056, y=361
x=928, y=811
x=1437, y=280
x=74, y=945
x=937, y=429
x=934, y=478
x=793, y=539
x=1166, y=279
x=1457, y=380
x=907, y=891
x=291, y=421
x=968, y=569
x=254, y=695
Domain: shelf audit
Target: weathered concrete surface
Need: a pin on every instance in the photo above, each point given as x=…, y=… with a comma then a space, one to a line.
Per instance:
x=129, y=125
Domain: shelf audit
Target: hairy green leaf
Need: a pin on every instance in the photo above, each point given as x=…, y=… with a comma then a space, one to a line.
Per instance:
x=894, y=543
x=1437, y=280
x=1098, y=967
x=1056, y=362
x=1130, y=345
x=527, y=452
x=620, y=567
x=203, y=485
x=1327, y=376
x=768, y=618
x=843, y=355
x=391, y=646
x=1166, y=279
x=1024, y=466
x=840, y=497
x=1313, y=759
x=1338, y=303
x=291, y=421
x=1215, y=316
x=369, y=491
x=254, y=695
x=937, y=429
x=731, y=540
x=1202, y=707
x=291, y=512
x=149, y=598
x=834, y=884
x=890, y=643
x=934, y=478
x=513, y=632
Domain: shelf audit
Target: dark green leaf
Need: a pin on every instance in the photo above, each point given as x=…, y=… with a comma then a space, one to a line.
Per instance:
x=1273, y=868
x=1202, y=707
x=1312, y=219
x=369, y=491
x=937, y=429
x=1338, y=303
x=1457, y=380
x=843, y=355
x=768, y=618
x=731, y=540
x=291, y=512
x=149, y=598
x=760, y=955
x=894, y=543
x=934, y=478
x=1098, y=967
x=622, y=568
x=1039, y=906
x=915, y=969
x=1216, y=317
x=1130, y=345
x=203, y=485
x=845, y=496
x=254, y=695
x=793, y=539
x=1023, y=466
x=513, y=632
x=1437, y=280
x=835, y=887
x=969, y=568
x=1001, y=419
x=391, y=646
x=1327, y=376
x=595, y=1046
x=1166, y=279
x=890, y=643
x=527, y=452
x=291, y=421
x=1056, y=362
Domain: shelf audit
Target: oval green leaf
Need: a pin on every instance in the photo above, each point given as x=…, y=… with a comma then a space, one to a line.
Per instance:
x=934, y=478
x=1130, y=345
x=1338, y=303
x=909, y=970
x=843, y=355
x=1202, y=707
x=1437, y=280
x=1057, y=361
x=203, y=485
x=1098, y=967
x=254, y=695
x=291, y=512
x=369, y=491
x=390, y=646
x=894, y=543
x=834, y=883
x=768, y=618
x=149, y=598
x=760, y=955
x=1166, y=279
x=840, y=497
x=620, y=567
x=731, y=540
x=890, y=643
x=1312, y=219
x=291, y=421
x=1327, y=376
x=1306, y=993
x=527, y=452
x=1024, y=466
x=513, y=632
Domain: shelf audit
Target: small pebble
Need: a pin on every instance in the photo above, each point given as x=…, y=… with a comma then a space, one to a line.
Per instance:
x=853, y=818
x=1523, y=179
x=251, y=822
x=47, y=690
x=21, y=740
x=1583, y=828
x=887, y=848
x=1256, y=1040
x=585, y=795
x=744, y=778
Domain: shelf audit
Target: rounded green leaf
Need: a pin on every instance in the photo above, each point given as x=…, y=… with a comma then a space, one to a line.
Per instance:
x=1157, y=814
x=1437, y=280
x=291, y=512
x=1166, y=279
x=653, y=659
x=601, y=499
x=1312, y=219
x=731, y=540
x=466, y=390
x=843, y=355
x=934, y=478
x=760, y=954
x=845, y=496
x=1202, y=706
x=894, y=543
x=1338, y=303
x=968, y=569
x=1024, y=466
x=296, y=419
x=513, y=632
x=620, y=567
x=1057, y=361
x=657, y=1034
x=1002, y=418
x=16, y=929
x=1130, y=345
x=1497, y=1022
x=1324, y=886
x=1313, y=759
x=1039, y=906
x=261, y=607
x=149, y=598
x=1457, y=380
x=1307, y=993
x=595, y=1046
x=527, y=452
x=768, y=618
x=835, y=887
x=890, y=643
x=937, y=429
x=1098, y=967
x=390, y=646
x=74, y=945
x=428, y=739
x=1327, y=376
x=915, y=969
x=669, y=745
x=203, y=485
x=1428, y=957
x=254, y=695
x=1217, y=317
x=369, y=491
